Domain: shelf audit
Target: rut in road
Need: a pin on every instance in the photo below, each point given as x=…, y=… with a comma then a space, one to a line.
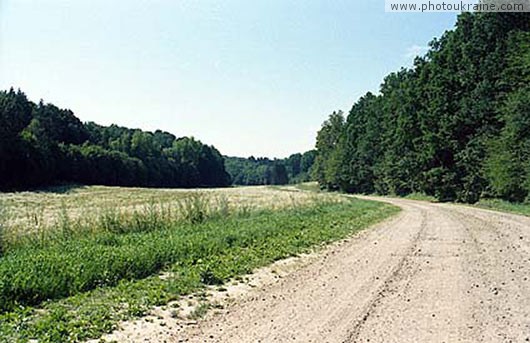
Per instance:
x=434, y=273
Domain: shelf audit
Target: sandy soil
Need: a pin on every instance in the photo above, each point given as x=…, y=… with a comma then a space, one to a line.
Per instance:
x=434, y=273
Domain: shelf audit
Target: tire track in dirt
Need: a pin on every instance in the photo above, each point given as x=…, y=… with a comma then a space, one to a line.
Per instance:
x=420, y=306
x=396, y=274
x=501, y=273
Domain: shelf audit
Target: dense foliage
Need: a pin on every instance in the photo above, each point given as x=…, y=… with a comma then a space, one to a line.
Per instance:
x=455, y=126
x=41, y=144
x=263, y=171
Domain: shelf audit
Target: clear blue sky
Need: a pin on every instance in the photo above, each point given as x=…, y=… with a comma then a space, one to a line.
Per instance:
x=250, y=77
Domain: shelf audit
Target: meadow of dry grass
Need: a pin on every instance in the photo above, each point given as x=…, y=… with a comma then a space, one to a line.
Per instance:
x=30, y=212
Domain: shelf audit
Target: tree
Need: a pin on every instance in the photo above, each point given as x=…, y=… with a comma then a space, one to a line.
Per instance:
x=41, y=144
x=15, y=115
x=279, y=174
x=327, y=169
x=453, y=126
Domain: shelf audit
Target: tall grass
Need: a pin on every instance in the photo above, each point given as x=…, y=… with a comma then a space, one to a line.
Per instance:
x=194, y=209
x=85, y=283
x=80, y=255
x=34, y=211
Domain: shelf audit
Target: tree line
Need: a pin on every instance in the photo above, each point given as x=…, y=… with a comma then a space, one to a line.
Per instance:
x=41, y=144
x=456, y=125
x=263, y=171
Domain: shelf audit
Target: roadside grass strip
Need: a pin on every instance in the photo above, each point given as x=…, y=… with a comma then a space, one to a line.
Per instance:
x=78, y=287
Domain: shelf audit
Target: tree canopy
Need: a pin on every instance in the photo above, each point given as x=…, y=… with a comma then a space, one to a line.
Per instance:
x=263, y=171
x=456, y=125
x=41, y=144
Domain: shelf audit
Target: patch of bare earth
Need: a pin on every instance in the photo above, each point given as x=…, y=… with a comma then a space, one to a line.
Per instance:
x=434, y=273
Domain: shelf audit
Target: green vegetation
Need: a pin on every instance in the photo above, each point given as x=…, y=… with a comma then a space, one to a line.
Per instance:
x=80, y=281
x=200, y=311
x=420, y=196
x=263, y=171
x=39, y=213
x=41, y=145
x=455, y=126
x=505, y=206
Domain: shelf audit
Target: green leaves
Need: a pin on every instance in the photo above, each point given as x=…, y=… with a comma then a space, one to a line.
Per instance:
x=454, y=126
x=41, y=145
x=263, y=171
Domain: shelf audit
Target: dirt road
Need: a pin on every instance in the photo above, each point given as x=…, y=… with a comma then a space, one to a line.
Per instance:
x=434, y=273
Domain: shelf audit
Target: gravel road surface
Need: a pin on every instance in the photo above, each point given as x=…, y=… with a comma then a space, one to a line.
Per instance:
x=434, y=273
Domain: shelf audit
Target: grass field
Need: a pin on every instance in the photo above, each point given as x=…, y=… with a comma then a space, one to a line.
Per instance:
x=505, y=206
x=38, y=214
x=101, y=255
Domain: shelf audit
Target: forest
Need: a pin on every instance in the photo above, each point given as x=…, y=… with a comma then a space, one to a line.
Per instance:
x=263, y=171
x=455, y=125
x=42, y=145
